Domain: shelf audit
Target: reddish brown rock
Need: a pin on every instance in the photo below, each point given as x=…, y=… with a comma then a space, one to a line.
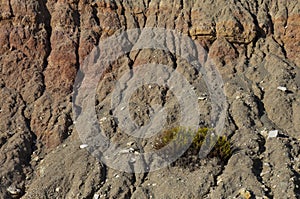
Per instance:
x=291, y=38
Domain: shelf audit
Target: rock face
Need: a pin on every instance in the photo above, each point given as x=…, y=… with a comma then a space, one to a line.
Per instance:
x=255, y=46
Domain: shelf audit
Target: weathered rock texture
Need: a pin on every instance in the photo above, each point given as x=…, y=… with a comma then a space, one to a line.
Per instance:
x=255, y=45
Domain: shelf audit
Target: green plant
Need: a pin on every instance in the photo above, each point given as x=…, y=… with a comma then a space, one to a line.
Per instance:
x=221, y=149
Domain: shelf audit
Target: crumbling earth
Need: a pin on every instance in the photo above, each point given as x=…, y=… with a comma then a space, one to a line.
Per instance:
x=254, y=44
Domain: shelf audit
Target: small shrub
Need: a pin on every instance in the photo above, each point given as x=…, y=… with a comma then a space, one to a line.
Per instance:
x=222, y=148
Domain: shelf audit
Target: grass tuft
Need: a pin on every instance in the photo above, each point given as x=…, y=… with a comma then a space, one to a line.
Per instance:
x=222, y=148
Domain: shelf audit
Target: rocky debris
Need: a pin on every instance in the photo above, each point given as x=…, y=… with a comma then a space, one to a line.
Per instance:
x=76, y=175
x=254, y=45
x=278, y=169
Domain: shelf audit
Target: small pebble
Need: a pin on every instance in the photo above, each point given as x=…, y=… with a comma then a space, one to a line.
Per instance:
x=131, y=150
x=264, y=173
x=13, y=190
x=96, y=196
x=267, y=164
x=219, y=180
x=36, y=158
x=124, y=151
x=82, y=146
x=245, y=193
x=201, y=98
x=273, y=134
x=130, y=143
x=282, y=88
x=103, y=119
x=116, y=176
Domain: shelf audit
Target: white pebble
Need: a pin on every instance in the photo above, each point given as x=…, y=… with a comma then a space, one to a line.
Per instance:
x=13, y=190
x=201, y=98
x=116, y=176
x=219, y=180
x=103, y=119
x=131, y=150
x=282, y=88
x=82, y=146
x=123, y=151
x=36, y=158
x=96, y=196
x=273, y=134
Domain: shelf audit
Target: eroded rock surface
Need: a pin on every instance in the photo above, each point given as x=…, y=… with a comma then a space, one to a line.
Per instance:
x=255, y=46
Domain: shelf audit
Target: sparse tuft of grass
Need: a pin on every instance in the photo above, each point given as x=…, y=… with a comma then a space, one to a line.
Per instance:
x=222, y=148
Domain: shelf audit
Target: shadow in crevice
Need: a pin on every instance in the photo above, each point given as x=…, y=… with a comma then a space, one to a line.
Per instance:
x=257, y=170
